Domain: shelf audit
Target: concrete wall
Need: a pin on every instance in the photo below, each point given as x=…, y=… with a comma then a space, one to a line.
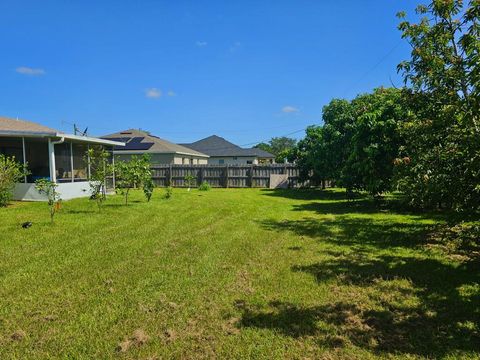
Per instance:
x=67, y=191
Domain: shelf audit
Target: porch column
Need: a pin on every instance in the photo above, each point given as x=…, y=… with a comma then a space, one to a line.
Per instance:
x=113, y=169
x=24, y=158
x=51, y=162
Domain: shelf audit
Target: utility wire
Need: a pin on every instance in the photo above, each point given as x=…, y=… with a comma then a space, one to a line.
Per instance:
x=382, y=59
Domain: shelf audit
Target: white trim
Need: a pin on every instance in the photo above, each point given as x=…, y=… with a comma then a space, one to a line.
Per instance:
x=90, y=139
x=61, y=135
x=71, y=161
x=51, y=162
x=88, y=162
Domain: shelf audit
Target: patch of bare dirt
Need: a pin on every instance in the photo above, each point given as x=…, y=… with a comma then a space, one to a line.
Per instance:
x=18, y=335
x=138, y=338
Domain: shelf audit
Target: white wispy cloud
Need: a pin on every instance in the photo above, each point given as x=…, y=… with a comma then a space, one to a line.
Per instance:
x=153, y=93
x=290, y=109
x=171, y=93
x=201, y=43
x=235, y=46
x=25, y=70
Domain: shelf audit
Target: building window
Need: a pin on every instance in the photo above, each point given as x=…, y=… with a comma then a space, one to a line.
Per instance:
x=221, y=161
x=234, y=158
x=38, y=162
x=250, y=162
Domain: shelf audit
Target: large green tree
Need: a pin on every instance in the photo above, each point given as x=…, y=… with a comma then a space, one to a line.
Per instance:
x=440, y=163
x=357, y=144
x=376, y=140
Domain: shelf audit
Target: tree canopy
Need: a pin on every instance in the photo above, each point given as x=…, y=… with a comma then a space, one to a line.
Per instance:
x=422, y=139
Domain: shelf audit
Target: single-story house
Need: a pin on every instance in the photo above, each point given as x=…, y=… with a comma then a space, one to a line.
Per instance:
x=138, y=142
x=49, y=153
x=222, y=151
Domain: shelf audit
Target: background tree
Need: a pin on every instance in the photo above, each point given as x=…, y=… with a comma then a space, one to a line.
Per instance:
x=279, y=146
x=309, y=155
x=376, y=141
x=338, y=130
x=357, y=144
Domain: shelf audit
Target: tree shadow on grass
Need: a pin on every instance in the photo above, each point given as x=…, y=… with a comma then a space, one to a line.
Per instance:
x=417, y=306
x=310, y=194
x=335, y=201
x=355, y=232
x=78, y=211
x=407, y=302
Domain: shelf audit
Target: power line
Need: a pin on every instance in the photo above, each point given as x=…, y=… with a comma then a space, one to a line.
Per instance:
x=390, y=52
x=382, y=59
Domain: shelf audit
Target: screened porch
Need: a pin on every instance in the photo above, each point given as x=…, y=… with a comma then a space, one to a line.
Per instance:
x=61, y=160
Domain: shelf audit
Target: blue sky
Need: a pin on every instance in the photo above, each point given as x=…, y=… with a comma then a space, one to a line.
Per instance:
x=244, y=70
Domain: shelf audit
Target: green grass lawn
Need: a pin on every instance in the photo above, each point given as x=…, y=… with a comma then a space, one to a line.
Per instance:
x=231, y=273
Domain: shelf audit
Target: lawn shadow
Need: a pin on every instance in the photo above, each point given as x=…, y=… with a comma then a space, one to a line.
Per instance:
x=78, y=211
x=430, y=317
x=355, y=232
x=310, y=194
x=408, y=302
x=115, y=205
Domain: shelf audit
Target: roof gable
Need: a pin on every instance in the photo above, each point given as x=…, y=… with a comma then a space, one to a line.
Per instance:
x=8, y=125
x=143, y=141
x=217, y=146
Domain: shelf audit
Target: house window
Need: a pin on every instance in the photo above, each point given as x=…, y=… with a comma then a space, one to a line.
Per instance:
x=36, y=156
x=221, y=161
x=63, y=163
x=249, y=162
x=234, y=158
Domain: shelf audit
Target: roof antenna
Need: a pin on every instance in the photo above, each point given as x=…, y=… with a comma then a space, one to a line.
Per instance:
x=76, y=131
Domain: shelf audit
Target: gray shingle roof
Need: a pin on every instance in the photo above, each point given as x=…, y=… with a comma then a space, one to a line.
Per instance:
x=144, y=142
x=217, y=146
x=8, y=125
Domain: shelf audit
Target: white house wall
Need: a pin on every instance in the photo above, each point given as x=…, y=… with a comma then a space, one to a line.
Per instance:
x=27, y=192
x=157, y=159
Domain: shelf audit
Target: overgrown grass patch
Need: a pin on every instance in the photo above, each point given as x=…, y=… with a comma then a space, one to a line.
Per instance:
x=229, y=273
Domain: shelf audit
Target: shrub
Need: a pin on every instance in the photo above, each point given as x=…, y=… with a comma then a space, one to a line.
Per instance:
x=100, y=169
x=144, y=167
x=168, y=192
x=11, y=172
x=49, y=188
x=204, y=186
x=190, y=181
x=133, y=174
